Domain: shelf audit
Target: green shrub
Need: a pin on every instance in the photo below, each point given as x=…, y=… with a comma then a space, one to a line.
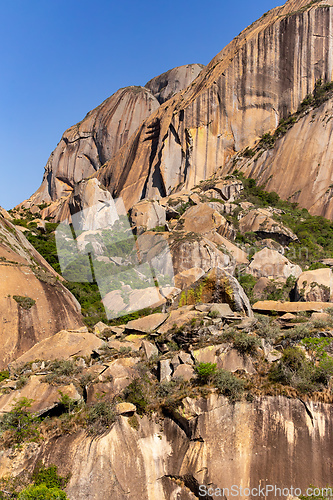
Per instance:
x=100, y=416
x=245, y=343
x=24, y=302
x=4, y=375
x=48, y=476
x=42, y=492
x=229, y=385
x=205, y=372
x=136, y=393
x=22, y=424
x=295, y=370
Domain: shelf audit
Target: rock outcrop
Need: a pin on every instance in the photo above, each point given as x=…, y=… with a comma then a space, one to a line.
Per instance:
x=86, y=146
x=315, y=286
x=174, y=456
x=271, y=264
x=165, y=86
x=299, y=166
x=259, y=78
x=34, y=304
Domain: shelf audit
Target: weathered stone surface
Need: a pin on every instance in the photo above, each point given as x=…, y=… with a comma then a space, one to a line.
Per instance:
x=292, y=307
x=221, y=310
x=299, y=167
x=238, y=254
x=238, y=97
x=146, y=215
x=113, y=380
x=191, y=250
x=165, y=86
x=217, y=286
x=147, y=324
x=149, y=349
x=125, y=408
x=260, y=221
x=62, y=345
x=86, y=146
x=186, y=372
x=202, y=218
x=232, y=361
x=258, y=438
x=315, y=316
x=101, y=330
x=210, y=354
x=315, y=286
x=271, y=264
x=178, y=317
x=186, y=278
x=48, y=306
x=165, y=370
x=44, y=396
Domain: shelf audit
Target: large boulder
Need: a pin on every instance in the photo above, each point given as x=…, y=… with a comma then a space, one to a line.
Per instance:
x=260, y=221
x=146, y=215
x=164, y=86
x=271, y=264
x=63, y=345
x=34, y=304
x=269, y=306
x=315, y=286
x=202, y=218
x=217, y=286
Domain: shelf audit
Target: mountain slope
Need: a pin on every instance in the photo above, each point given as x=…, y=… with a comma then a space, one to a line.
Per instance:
x=259, y=78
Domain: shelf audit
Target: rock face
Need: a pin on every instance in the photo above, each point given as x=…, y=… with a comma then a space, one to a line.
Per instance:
x=33, y=302
x=315, y=286
x=86, y=146
x=165, y=86
x=270, y=263
x=260, y=221
x=259, y=78
x=197, y=449
x=299, y=167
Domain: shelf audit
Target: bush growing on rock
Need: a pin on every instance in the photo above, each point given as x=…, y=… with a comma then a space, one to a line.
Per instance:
x=42, y=492
x=229, y=385
x=205, y=372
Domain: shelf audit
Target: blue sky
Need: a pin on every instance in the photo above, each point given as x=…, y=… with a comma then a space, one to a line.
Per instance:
x=61, y=58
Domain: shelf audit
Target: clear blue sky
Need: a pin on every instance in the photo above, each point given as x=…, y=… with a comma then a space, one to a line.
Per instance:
x=61, y=58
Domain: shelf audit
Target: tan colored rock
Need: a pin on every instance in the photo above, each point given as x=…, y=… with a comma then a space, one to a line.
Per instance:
x=119, y=374
x=315, y=286
x=221, y=310
x=210, y=354
x=165, y=86
x=315, y=316
x=149, y=349
x=147, y=324
x=125, y=409
x=5, y=214
x=238, y=254
x=290, y=317
x=271, y=264
x=86, y=146
x=217, y=286
x=232, y=361
x=186, y=278
x=185, y=372
x=178, y=317
x=147, y=214
x=44, y=396
x=290, y=307
x=260, y=221
x=62, y=345
x=260, y=287
x=101, y=330
x=202, y=218
x=33, y=303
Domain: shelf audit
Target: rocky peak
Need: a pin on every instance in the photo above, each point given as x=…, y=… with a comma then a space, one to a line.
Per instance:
x=165, y=86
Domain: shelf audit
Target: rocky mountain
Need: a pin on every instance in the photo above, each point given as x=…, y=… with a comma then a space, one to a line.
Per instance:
x=226, y=378
x=243, y=93
x=89, y=144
